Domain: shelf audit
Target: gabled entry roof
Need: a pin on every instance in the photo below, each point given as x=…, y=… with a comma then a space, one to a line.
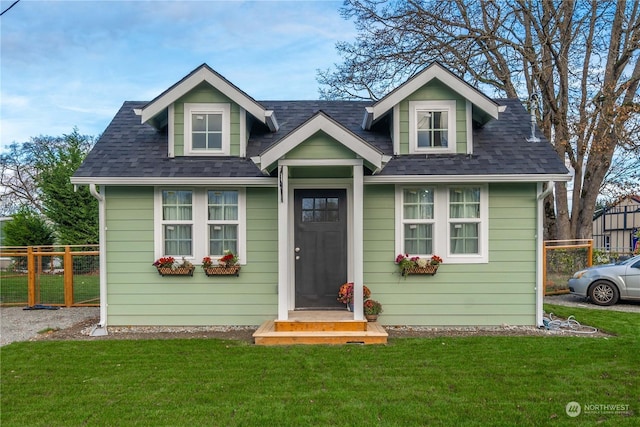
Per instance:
x=321, y=122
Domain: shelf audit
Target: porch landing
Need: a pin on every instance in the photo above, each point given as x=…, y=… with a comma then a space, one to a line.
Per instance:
x=320, y=327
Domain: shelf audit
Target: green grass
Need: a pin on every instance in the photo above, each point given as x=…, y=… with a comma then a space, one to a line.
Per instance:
x=498, y=381
x=13, y=288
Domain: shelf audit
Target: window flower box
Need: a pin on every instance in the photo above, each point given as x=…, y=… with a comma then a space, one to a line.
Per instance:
x=428, y=269
x=177, y=271
x=233, y=270
x=167, y=266
x=416, y=265
x=226, y=266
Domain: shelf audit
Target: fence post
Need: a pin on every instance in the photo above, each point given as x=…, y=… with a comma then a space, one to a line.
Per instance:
x=31, y=277
x=590, y=253
x=68, y=276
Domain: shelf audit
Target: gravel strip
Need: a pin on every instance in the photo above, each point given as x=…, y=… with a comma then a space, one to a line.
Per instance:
x=77, y=322
x=23, y=325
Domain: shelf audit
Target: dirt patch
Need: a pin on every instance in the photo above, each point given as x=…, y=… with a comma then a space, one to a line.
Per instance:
x=81, y=331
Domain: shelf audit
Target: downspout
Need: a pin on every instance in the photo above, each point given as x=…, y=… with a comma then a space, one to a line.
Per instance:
x=539, y=248
x=101, y=328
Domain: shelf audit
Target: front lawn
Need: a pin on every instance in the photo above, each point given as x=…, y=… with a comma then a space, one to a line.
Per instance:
x=436, y=381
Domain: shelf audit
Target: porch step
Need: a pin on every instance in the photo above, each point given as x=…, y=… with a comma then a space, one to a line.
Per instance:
x=320, y=326
x=268, y=335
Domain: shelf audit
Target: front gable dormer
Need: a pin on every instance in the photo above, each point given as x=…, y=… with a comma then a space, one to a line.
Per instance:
x=206, y=115
x=433, y=113
x=321, y=141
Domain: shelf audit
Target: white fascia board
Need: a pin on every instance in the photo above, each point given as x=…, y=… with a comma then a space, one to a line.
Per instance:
x=203, y=75
x=320, y=162
x=200, y=181
x=454, y=83
x=367, y=120
x=271, y=121
x=316, y=124
x=410, y=179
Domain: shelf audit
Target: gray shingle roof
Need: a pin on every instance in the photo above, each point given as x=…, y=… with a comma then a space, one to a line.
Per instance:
x=128, y=148
x=499, y=148
x=131, y=149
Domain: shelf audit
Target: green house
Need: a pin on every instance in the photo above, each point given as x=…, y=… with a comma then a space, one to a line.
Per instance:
x=313, y=194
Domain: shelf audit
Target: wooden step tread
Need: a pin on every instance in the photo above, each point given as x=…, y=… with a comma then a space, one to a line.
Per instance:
x=267, y=335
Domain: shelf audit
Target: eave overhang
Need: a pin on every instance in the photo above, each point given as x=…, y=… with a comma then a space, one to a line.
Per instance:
x=196, y=181
x=415, y=179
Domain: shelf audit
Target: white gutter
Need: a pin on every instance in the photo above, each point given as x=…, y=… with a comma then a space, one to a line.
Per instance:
x=539, y=248
x=133, y=181
x=511, y=178
x=101, y=328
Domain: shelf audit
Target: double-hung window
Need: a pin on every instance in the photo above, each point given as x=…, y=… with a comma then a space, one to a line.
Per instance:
x=198, y=222
x=207, y=128
x=177, y=222
x=449, y=221
x=464, y=220
x=222, y=220
x=432, y=126
x=418, y=220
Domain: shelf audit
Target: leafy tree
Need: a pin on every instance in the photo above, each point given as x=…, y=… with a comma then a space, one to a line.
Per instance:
x=582, y=58
x=27, y=228
x=36, y=175
x=73, y=211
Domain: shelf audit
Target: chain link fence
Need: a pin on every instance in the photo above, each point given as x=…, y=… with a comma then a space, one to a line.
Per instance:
x=55, y=275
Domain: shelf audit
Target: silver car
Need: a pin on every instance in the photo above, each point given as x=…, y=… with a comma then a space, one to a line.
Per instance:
x=606, y=284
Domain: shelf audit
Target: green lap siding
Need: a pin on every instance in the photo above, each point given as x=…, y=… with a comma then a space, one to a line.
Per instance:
x=499, y=292
x=435, y=91
x=138, y=295
x=204, y=93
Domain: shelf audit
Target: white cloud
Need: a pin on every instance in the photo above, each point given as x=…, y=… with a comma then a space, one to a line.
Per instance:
x=70, y=63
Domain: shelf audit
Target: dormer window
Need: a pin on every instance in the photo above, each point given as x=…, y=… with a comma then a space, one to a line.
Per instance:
x=432, y=127
x=206, y=129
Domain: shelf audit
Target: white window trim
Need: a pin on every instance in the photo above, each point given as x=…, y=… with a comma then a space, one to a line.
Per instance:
x=483, y=230
x=441, y=220
x=207, y=108
x=190, y=222
x=403, y=221
x=200, y=231
x=449, y=107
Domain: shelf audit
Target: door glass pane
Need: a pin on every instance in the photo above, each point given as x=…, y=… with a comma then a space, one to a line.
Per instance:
x=320, y=209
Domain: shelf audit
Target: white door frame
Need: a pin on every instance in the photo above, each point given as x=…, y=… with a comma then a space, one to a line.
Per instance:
x=286, y=254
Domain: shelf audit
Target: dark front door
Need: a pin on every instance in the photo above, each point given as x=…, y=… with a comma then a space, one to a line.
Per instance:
x=320, y=246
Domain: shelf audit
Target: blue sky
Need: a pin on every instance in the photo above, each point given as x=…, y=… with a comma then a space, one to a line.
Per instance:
x=73, y=63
